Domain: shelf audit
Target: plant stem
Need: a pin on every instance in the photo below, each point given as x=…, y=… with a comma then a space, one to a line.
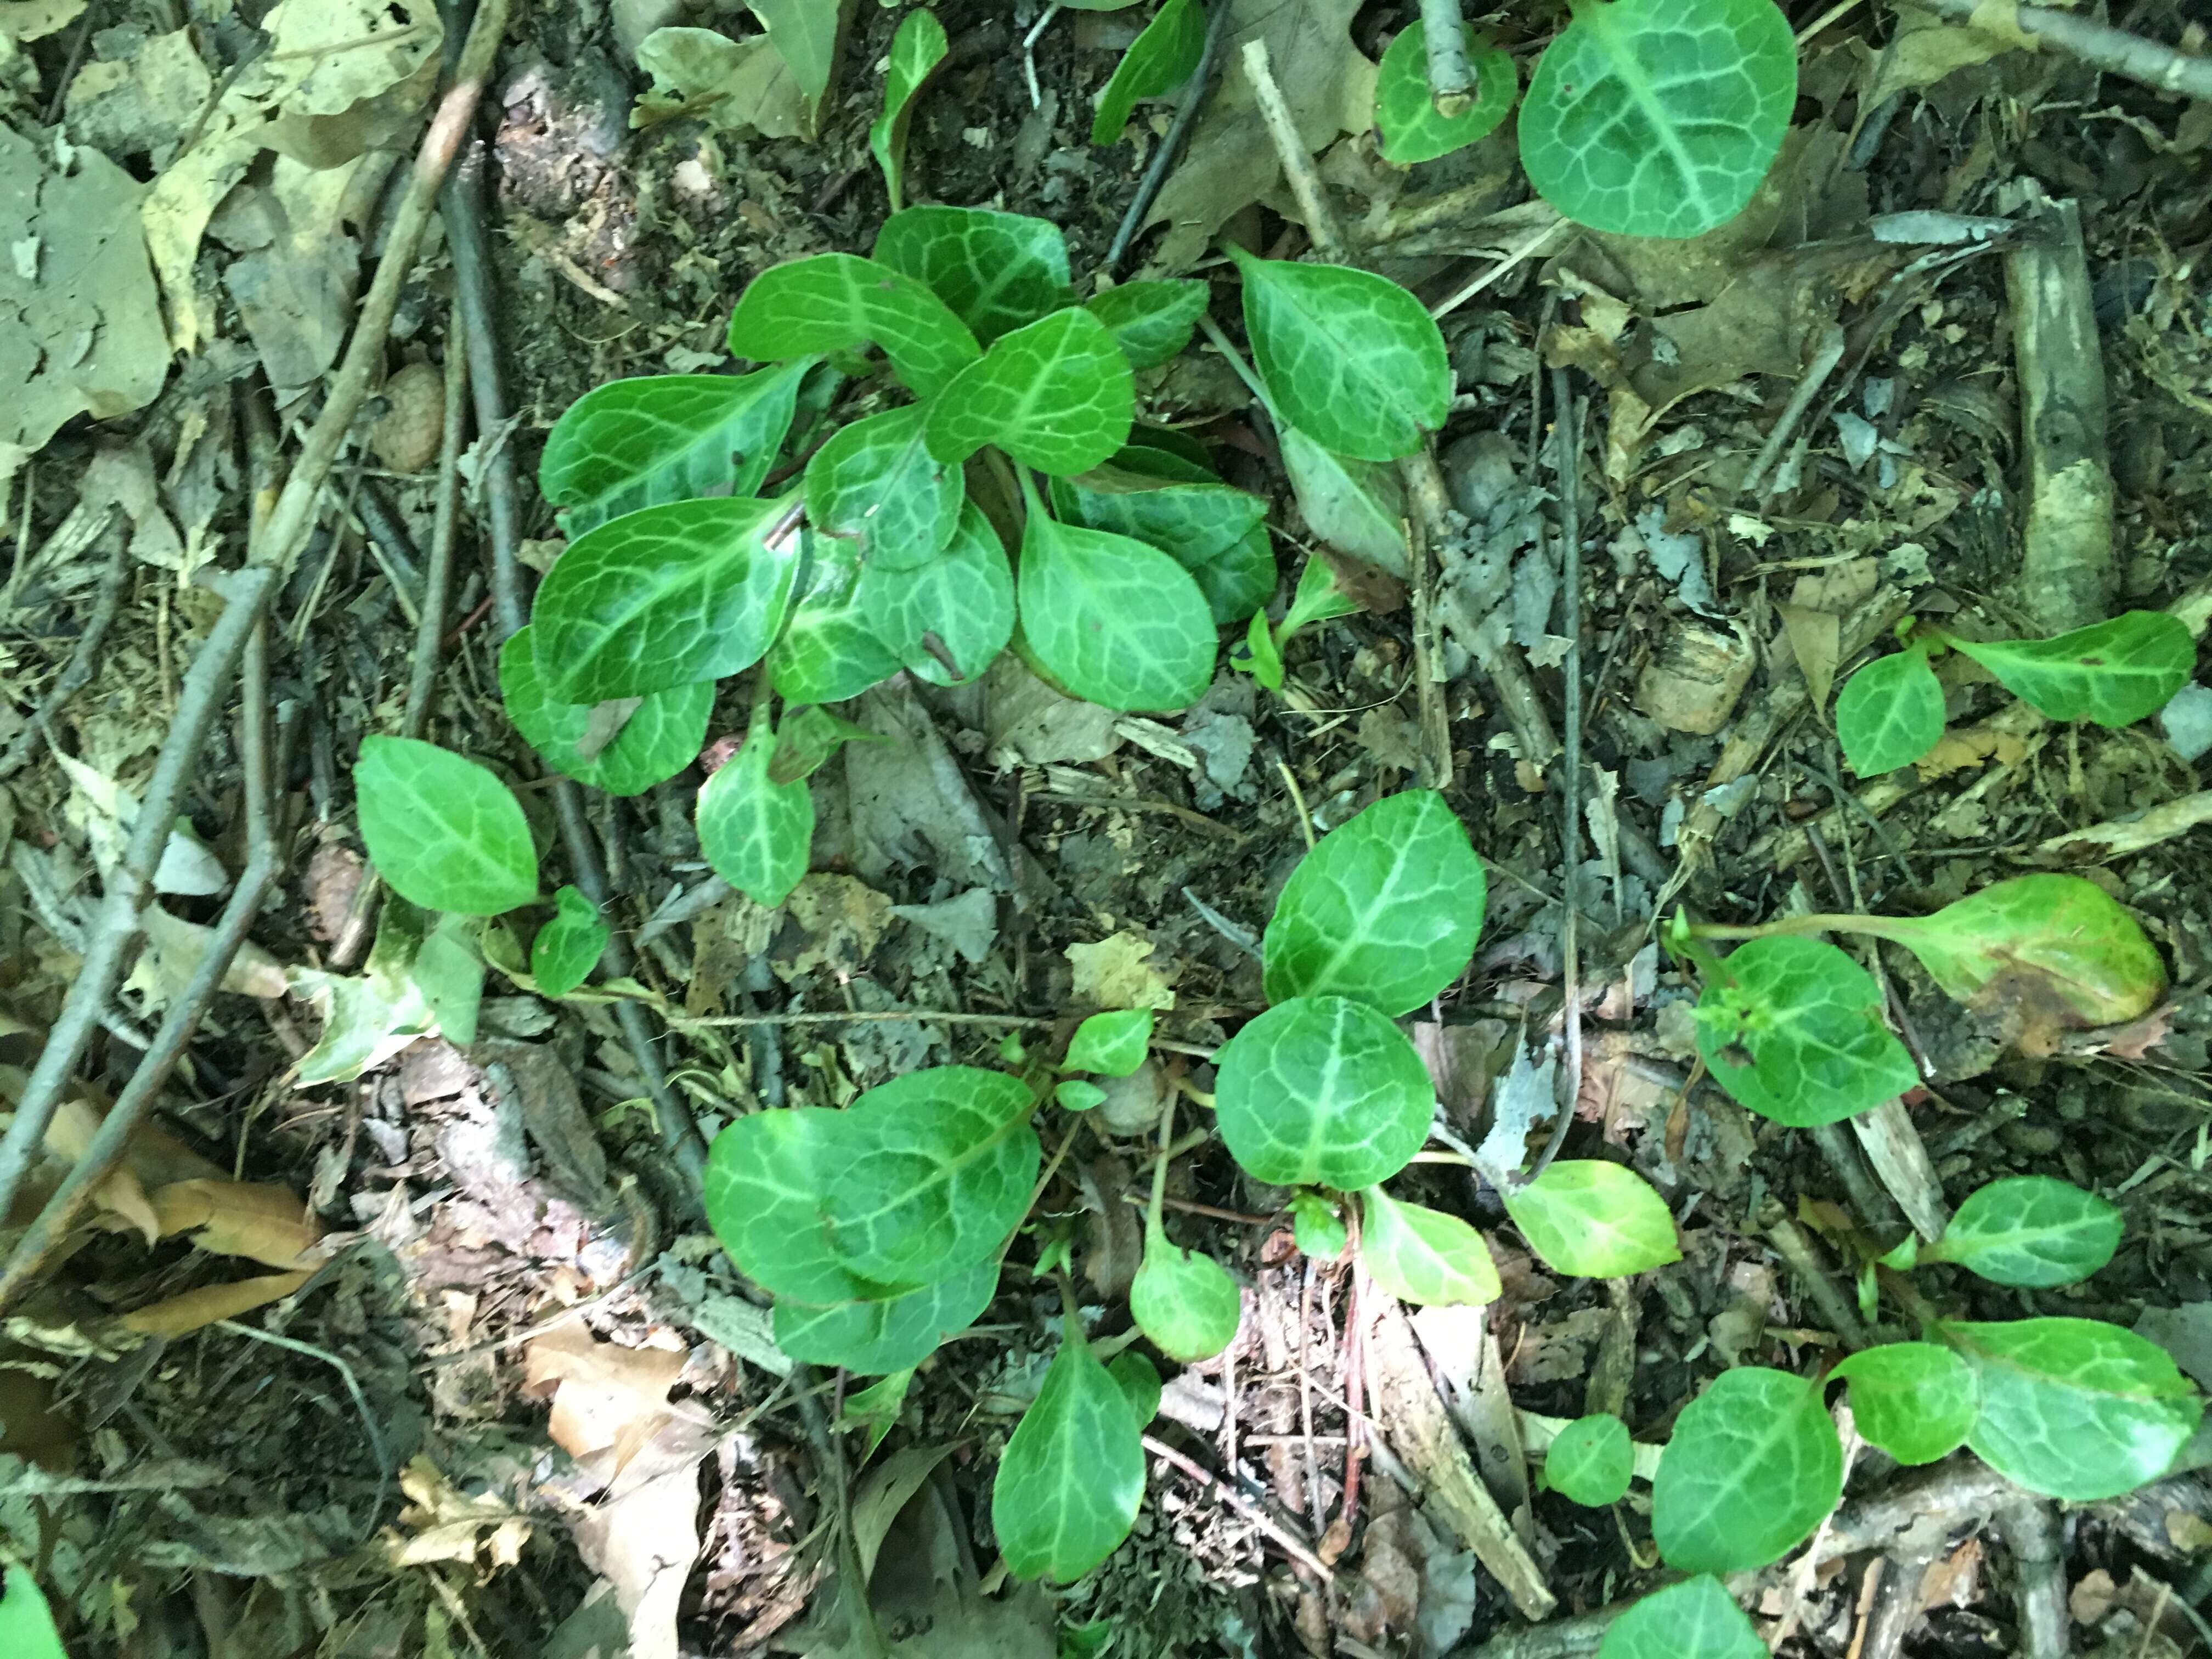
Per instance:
x=1451, y=77
x=1153, y=1229
x=1291, y=148
x=1186, y=118
x=1222, y=343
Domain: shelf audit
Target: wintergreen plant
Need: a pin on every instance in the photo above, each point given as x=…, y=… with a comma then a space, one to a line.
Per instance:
x=27, y=1627
x=1890, y=714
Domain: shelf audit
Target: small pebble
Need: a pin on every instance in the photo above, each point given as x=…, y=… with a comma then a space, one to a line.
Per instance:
x=406, y=438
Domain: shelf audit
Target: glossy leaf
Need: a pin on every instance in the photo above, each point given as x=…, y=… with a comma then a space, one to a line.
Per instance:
x=1317, y=597
x=567, y=947
x=1356, y=506
x=2030, y=1230
x=876, y=1409
x=1792, y=1028
x=936, y=1172
x=2113, y=673
x=836, y=301
x=1322, y=1091
x=918, y=48
x=1423, y=1255
x=997, y=271
x=26, y=1626
x=442, y=829
x=807, y=738
x=1074, y=1095
x=1073, y=1473
x=1890, y=713
x=653, y=740
x=875, y=1337
x=754, y=833
x=1350, y=358
x=1659, y=118
x=1593, y=1220
x=1184, y=1300
x=1752, y=1467
x=948, y=618
x=1195, y=522
x=1115, y=622
x=1917, y=1400
x=1056, y=395
x=1140, y=1384
x=1589, y=1461
x=1386, y=909
x=2074, y=1408
x=767, y=1173
x=1111, y=1044
x=653, y=439
x=1158, y=61
x=830, y=650
x=449, y=971
x=1316, y=1228
x=806, y=35
x=667, y=597
x=1698, y=1619
x=1411, y=127
x=1239, y=579
x=1150, y=321
x=876, y=484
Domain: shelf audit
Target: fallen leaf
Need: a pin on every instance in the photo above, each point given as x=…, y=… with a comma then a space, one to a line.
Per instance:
x=968, y=921
x=842, y=920
x=643, y=1536
x=262, y=1223
x=608, y=1400
x=181, y=1316
x=446, y=1525
x=1114, y=973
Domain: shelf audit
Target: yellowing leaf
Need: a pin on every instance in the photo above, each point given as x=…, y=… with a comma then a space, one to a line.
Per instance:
x=1116, y=974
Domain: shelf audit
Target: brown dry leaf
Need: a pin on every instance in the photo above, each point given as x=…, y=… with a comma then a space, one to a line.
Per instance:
x=34, y=20
x=181, y=1316
x=446, y=1525
x=843, y=919
x=643, y=1536
x=1968, y=747
x=1956, y=1580
x=262, y=1223
x=75, y=1120
x=1114, y=973
x=1926, y=48
x=1815, y=639
x=608, y=1400
x=2100, y=842
x=1842, y=588
x=725, y=938
x=144, y=104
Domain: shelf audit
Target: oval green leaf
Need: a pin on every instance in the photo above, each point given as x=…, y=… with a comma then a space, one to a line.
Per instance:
x=1316, y=1228
x=1792, y=1028
x=1150, y=321
x=1423, y=1255
x=767, y=1173
x=1752, y=1467
x=654, y=737
x=2030, y=1230
x=1593, y=1220
x=1056, y=395
x=919, y=47
x=1184, y=1300
x=1158, y=61
x=666, y=597
x=875, y=1337
x=1917, y=1400
x=1890, y=713
x=1114, y=622
x=754, y=834
x=2074, y=1408
x=1411, y=127
x=1140, y=1382
x=1699, y=1620
x=1356, y=506
x=876, y=484
x=653, y=439
x=936, y=1172
x=1075, y=1095
x=947, y=619
x=1112, y=1044
x=1659, y=118
x=1322, y=1091
x=835, y=302
x=1589, y=1461
x=997, y=271
x=830, y=650
x=2113, y=673
x=1073, y=1473
x=1350, y=358
x=1386, y=909
x=26, y=1624
x=567, y=947
x=442, y=829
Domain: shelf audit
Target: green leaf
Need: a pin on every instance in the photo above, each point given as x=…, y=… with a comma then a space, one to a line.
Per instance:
x=807, y=738
x=963, y=598
x=369, y=1018
x=2113, y=673
x=919, y=47
x=1695, y=1620
x=659, y=438
x=997, y=271
x=1890, y=713
x=875, y=1408
x=2074, y=1408
x=756, y=835
x=732, y=85
x=805, y=34
x=1589, y=1461
x=1073, y=1473
x=1792, y=1028
x=1356, y=506
x=1316, y=1228
x=2030, y=1230
x=27, y=1627
x=1158, y=61
x=1111, y=1044
x=1350, y=358
x=876, y=484
x=1752, y=1467
x=1150, y=321
x=1914, y=1400
x=1317, y=598
x=828, y=650
x=1075, y=1095
x=1424, y=1256
x=567, y=947
x=663, y=597
x=1115, y=622
x=1056, y=395
x=871, y=1337
x=449, y=971
x=836, y=301
x=1140, y=1383
x=1184, y=1300
x=1322, y=1091
x=2059, y=947
x=1202, y=526
x=1594, y=1220
x=1239, y=579
x=1386, y=909
x=1267, y=656
x=442, y=829
x=767, y=1173
x=1405, y=115
x=1659, y=118
x=653, y=738
x=937, y=1170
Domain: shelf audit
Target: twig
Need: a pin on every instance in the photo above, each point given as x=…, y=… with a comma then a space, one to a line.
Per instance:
x=438, y=580
x=1451, y=77
x=2154, y=65
x=1897, y=1605
x=1793, y=412
x=1290, y=149
x=2030, y=1526
x=1868, y=1195
x=1029, y=51
x=1534, y=243
x=1163, y=158
x=106, y=600
x=1290, y=1544
x=1434, y=718
x=1797, y=1250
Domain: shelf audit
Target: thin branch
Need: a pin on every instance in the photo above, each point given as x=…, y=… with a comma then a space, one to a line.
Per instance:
x=1452, y=76
x=1163, y=158
x=1290, y=1544
x=1290, y=149
x=2148, y=62
x=2030, y=1526
x=438, y=581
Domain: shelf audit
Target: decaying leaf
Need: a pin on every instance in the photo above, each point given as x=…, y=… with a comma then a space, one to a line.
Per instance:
x=1117, y=973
